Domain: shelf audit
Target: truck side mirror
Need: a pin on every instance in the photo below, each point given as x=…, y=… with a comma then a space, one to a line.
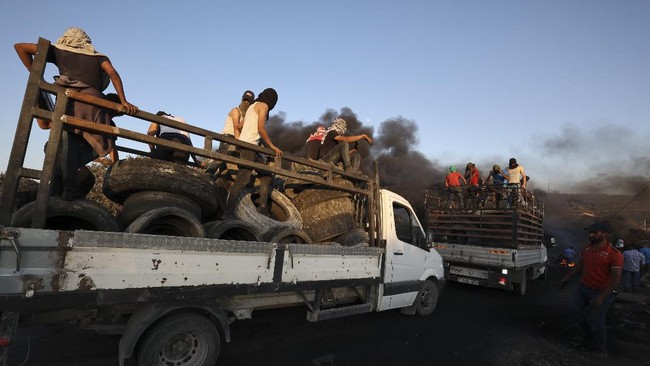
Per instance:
x=430, y=237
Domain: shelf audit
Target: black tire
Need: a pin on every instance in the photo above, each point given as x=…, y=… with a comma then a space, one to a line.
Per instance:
x=287, y=236
x=168, y=221
x=283, y=213
x=329, y=219
x=68, y=215
x=317, y=194
x=230, y=230
x=544, y=276
x=132, y=175
x=520, y=288
x=145, y=201
x=427, y=299
x=184, y=339
x=354, y=237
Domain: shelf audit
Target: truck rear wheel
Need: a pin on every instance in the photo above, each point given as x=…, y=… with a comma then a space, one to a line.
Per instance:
x=184, y=339
x=520, y=288
x=427, y=299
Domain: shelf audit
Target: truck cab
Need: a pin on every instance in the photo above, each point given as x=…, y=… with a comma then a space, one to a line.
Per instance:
x=412, y=267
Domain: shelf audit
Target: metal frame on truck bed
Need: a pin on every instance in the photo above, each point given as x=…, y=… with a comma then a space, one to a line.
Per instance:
x=171, y=296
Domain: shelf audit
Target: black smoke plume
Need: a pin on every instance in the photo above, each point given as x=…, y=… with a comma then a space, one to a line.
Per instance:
x=401, y=167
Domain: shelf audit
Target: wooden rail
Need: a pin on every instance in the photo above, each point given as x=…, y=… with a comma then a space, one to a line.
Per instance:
x=30, y=109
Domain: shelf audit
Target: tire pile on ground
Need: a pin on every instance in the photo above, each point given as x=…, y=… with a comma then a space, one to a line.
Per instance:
x=166, y=198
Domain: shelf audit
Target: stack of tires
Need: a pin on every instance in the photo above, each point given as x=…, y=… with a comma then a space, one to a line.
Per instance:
x=166, y=198
x=285, y=223
x=160, y=197
x=328, y=214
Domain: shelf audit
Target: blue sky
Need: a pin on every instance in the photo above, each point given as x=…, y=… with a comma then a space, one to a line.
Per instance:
x=564, y=86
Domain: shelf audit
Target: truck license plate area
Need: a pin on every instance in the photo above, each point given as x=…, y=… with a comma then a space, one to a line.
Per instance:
x=469, y=281
x=469, y=272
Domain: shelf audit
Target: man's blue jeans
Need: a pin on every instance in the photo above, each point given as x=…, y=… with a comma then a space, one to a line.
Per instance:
x=631, y=280
x=591, y=318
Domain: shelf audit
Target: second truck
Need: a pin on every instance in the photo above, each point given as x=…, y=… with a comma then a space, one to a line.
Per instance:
x=495, y=245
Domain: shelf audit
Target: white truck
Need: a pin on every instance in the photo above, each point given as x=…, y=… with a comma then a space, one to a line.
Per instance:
x=173, y=298
x=501, y=247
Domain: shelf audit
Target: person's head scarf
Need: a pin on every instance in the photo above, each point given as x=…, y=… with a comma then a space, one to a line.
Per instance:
x=269, y=96
x=76, y=40
x=339, y=125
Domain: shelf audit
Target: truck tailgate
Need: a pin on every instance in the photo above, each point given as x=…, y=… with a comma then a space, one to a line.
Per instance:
x=87, y=260
x=328, y=262
x=487, y=256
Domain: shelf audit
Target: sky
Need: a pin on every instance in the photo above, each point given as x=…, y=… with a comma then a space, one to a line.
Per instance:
x=563, y=86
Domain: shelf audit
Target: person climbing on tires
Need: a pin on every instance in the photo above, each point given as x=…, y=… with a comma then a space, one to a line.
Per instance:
x=170, y=134
x=254, y=130
x=335, y=147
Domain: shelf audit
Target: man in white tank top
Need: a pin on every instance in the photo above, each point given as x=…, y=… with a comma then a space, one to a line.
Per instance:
x=516, y=179
x=232, y=128
x=252, y=130
x=516, y=174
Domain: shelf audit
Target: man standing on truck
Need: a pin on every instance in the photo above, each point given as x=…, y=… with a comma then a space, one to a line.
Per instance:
x=452, y=183
x=232, y=128
x=496, y=181
x=516, y=179
x=600, y=265
x=472, y=175
x=87, y=71
x=252, y=131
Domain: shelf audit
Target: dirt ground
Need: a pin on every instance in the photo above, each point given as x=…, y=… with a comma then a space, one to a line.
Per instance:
x=471, y=326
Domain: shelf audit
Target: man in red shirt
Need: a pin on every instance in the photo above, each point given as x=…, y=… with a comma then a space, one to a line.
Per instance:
x=452, y=183
x=601, y=265
x=474, y=189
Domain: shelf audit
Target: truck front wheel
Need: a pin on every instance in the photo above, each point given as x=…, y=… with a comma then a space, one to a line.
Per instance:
x=184, y=339
x=427, y=299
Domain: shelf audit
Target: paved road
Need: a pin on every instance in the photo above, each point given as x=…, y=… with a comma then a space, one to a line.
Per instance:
x=470, y=326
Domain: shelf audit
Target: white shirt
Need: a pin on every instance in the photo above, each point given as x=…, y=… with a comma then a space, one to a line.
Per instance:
x=167, y=129
x=249, y=132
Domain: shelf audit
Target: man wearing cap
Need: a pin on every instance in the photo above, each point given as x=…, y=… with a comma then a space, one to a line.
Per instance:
x=232, y=128
x=601, y=267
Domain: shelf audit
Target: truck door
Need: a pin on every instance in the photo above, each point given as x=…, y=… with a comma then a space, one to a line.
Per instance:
x=407, y=256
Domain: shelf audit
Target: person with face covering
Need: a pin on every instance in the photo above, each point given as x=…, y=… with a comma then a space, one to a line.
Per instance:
x=83, y=69
x=232, y=128
x=253, y=130
x=336, y=146
x=515, y=174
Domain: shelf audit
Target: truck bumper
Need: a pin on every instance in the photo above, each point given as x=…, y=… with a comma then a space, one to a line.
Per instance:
x=481, y=276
